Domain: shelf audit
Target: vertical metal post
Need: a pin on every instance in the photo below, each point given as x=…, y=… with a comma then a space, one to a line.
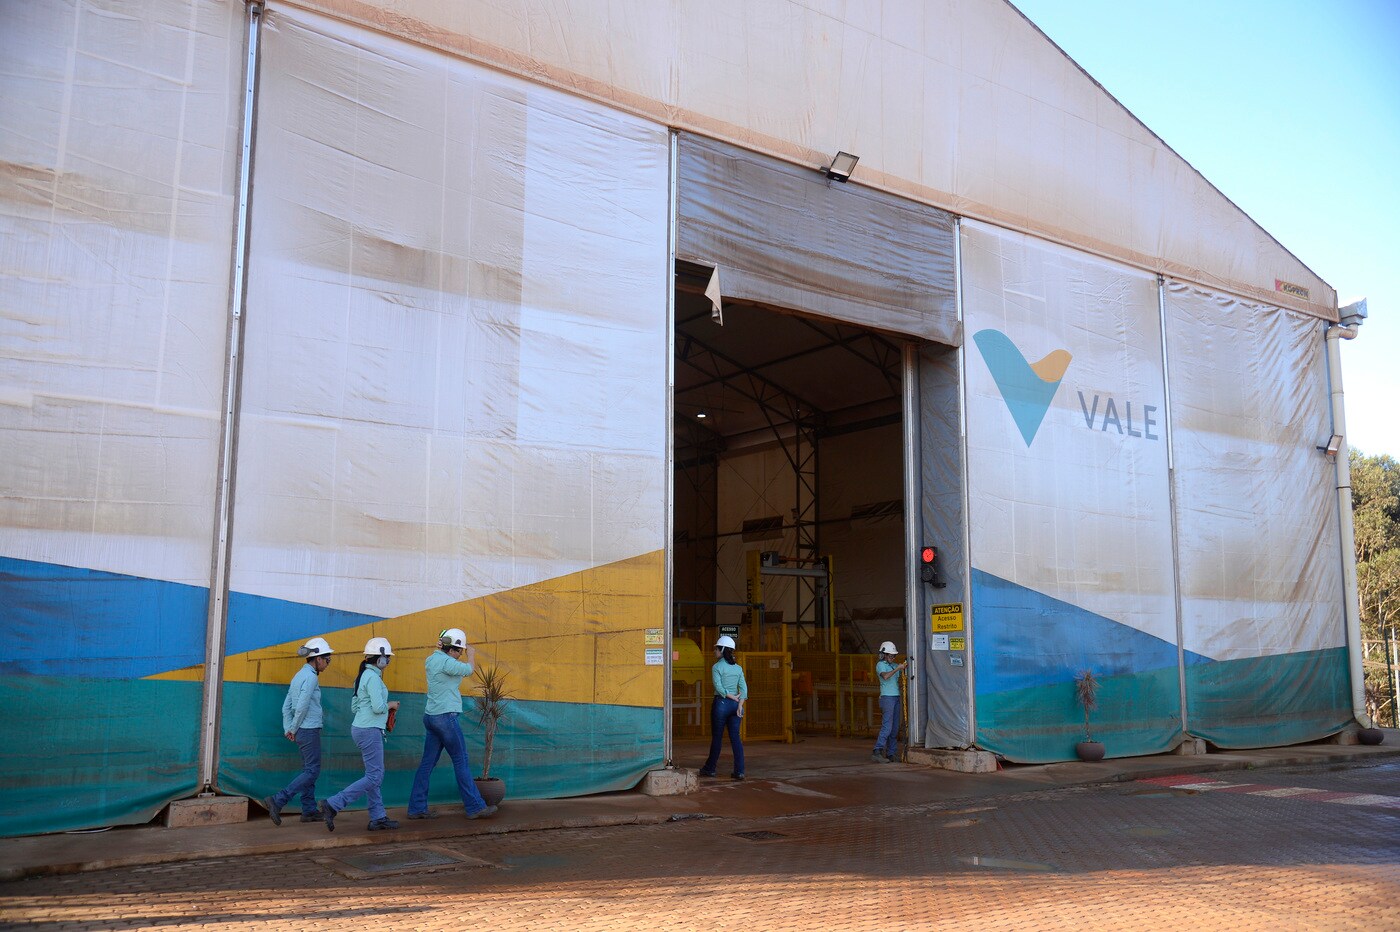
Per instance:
x=913, y=522
x=217, y=619
x=669, y=523
x=1171, y=505
x=966, y=482
x=1351, y=605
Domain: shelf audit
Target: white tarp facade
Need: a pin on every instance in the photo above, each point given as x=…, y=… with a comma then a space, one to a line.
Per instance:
x=454, y=390
x=1072, y=502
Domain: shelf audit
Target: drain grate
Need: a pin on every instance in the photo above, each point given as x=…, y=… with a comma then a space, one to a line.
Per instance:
x=385, y=862
x=758, y=836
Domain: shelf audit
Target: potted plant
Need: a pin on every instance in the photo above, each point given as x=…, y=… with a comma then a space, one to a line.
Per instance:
x=1086, y=692
x=491, y=702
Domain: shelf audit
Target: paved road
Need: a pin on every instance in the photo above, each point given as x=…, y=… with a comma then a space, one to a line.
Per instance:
x=1302, y=848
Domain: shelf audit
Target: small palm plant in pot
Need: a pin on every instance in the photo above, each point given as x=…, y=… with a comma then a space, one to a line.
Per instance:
x=491, y=700
x=1086, y=693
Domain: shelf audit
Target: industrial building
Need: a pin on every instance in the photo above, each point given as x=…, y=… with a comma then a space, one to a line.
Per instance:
x=597, y=328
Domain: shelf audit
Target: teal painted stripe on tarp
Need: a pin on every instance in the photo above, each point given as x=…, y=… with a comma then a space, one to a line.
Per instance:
x=1270, y=701
x=1024, y=638
x=1137, y=714
x=81, y=753
x=543, y=749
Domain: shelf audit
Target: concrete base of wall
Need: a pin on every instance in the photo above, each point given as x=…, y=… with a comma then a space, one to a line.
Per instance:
x=1191, y=746
x=206, y=810
x=669, y=782
x=971, y=761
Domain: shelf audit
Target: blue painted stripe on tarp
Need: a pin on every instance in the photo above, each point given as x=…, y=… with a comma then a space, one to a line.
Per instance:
x=256, y=621
x=129, y=627
x=112, y=625
x=1025, y=638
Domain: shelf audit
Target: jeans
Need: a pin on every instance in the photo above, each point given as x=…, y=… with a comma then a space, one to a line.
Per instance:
x=444, y=733
x=309, y=740
x=888, y=741
x=371, y=742
x=724, y=716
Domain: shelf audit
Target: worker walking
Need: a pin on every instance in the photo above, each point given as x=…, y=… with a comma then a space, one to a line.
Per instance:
x=301, y=722
x=441, y=729
x=371, y=706
x=888, y=672
x=727, y=709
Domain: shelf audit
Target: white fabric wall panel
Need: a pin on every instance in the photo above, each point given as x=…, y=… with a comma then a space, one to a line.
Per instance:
x=1067, y=453
x=1260, y=569
x=456, y=328
x=118, y=134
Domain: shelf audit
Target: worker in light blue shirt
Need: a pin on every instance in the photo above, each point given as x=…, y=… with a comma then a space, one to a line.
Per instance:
x=887, y=671
x=301, y=722
x=371, y=706
x=727, y=710
x=442, y=730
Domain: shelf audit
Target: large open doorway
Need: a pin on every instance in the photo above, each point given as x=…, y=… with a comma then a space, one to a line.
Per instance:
x=789, y=509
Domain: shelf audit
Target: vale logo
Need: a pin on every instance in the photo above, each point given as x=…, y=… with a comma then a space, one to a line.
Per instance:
x=1027, y=388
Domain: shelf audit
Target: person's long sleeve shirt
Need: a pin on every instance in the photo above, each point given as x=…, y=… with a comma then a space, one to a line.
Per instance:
x=302, y=707
x=371, y=700
x=729, y=679
x=444, y=683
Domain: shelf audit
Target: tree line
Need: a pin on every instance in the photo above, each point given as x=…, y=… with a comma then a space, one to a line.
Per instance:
x=1375, y=502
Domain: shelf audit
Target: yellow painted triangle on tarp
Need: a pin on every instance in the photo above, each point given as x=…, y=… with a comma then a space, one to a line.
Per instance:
x=576, y=638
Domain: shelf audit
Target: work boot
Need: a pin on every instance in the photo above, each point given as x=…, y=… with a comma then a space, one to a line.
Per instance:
x=429, y=813
x=274, y=811
x=328, y=815
x=379, y=825
x=486, y=813
x=313, y=816
x=877, y=757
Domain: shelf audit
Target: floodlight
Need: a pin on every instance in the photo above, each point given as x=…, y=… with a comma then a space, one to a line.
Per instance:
x=842, y=164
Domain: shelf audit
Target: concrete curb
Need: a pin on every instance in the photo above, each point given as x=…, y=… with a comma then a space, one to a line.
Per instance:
x=323, y=841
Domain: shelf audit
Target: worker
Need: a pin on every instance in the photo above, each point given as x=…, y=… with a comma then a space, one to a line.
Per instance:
x=371, y=705
x=888, y=672
x=441, y=729
x=301, y=723
x=727, y=709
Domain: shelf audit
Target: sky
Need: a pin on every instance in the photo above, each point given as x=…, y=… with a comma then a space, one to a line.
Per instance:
x=1292, y=110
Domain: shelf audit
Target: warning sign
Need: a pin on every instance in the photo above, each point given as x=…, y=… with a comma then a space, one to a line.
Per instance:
x=654, y=636
x=947, y=617
x=957, y=643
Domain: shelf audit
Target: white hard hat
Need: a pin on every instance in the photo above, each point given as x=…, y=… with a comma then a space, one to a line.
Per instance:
x=378, y=647
x=453, y=637
x=725, y=641
x=316, y=647
x=888, y=648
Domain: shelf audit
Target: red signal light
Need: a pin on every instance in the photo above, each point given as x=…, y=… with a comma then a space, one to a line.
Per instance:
x=928, y=555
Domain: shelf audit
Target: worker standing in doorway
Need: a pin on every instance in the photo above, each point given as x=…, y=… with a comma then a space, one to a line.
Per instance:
x=888, y=671
x=727, y=710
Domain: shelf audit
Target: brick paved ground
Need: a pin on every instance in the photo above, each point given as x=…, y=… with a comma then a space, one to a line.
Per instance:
x=1135, y=855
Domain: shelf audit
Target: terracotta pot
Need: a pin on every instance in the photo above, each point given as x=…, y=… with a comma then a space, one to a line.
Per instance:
x=1089, y=750
x=1370, y=736
x=492, y=789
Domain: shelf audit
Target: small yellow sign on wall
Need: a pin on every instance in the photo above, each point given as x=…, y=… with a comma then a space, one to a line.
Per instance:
x=947, y=617
x=957, y=643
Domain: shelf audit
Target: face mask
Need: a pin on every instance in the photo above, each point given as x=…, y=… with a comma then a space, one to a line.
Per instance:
x=381, y=662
